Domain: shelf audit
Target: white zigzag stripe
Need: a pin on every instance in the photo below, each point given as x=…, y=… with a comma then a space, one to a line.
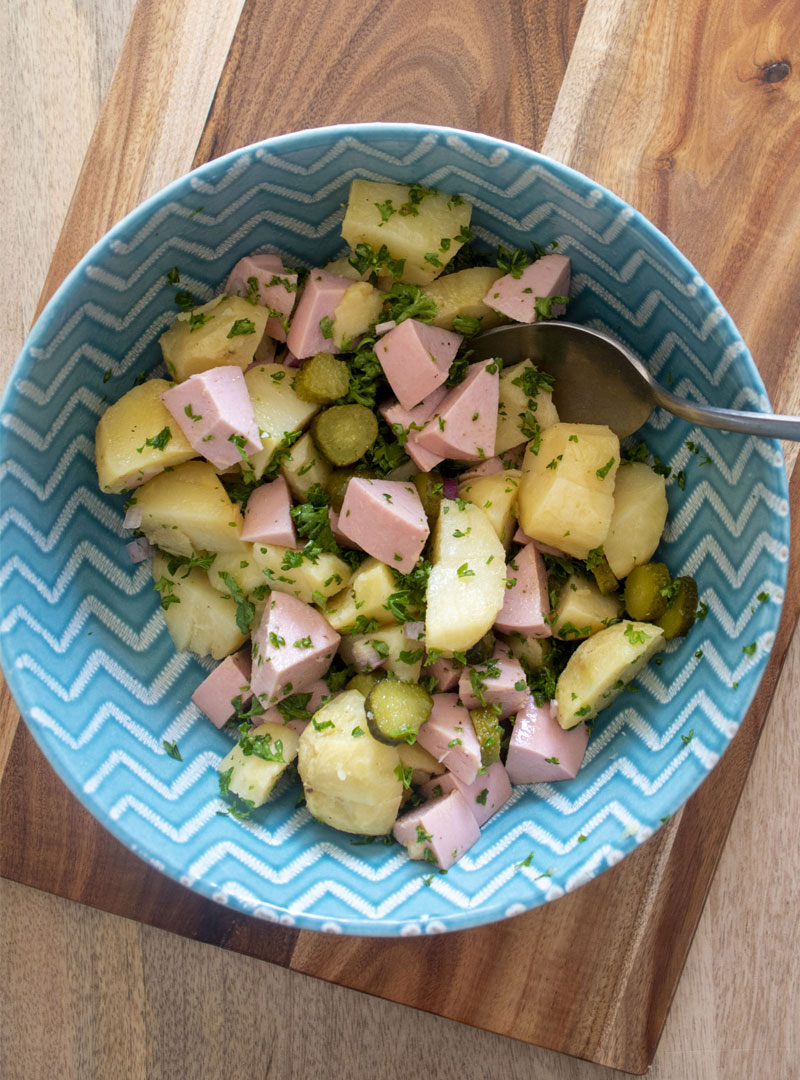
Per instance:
x=230, y=175
x=188, y=776
x=647, y=308
x=98, y=660
x=84, y=552
x=628, y=271
x=308, y=857
x=709, y=546
x=110, y=711
x=419, y=150
x=704, y=497
x=107, y=515
x=99, y=315
x=102, y=361
x=13, y=469
x=136, y=640
x=734, y=627
x=23, y=431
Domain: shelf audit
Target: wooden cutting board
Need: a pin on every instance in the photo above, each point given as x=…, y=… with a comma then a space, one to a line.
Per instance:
x=686, y=108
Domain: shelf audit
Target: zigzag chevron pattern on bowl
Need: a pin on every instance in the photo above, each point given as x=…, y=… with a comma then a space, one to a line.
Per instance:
x=83, y=642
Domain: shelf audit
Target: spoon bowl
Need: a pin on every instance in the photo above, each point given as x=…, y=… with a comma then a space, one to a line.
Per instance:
x=598, y=381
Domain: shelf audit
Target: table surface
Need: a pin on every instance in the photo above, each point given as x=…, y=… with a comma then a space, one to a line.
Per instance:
x=125, y=1000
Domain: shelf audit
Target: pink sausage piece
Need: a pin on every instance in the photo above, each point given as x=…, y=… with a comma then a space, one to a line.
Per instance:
x=212, y=410
x=487, y=793
x=292, y=648
x=511, y=459
x=412, y=419
x=385, y=518
x=416, y=358
x=516, y=297
x=526, y=604
x=274, y=288
x=319, y=695
x=540, y=749
x=445, y=671
x=267, y=519
x=321, y=297
x=448, y=734
x=229, y=680
x=444, y=827
x=466, y=424
x=501, y=681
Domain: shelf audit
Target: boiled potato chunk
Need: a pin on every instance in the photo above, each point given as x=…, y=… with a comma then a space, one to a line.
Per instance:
x=350, y=782
x=534, y=651
x=566, y=496
x=581, y=609
x=242, y=567
x=200, y=620
x=601, y=667
x=467, y=582
x=638, y=520
x=412, y=223
x=496, y=494
x=254, y=777
x=201, y=339
x=358, y=309
x=462, y=293
x=188, y=511
x=370, y=587
x=277, y=409
x=423, y=765
x=326, y=576
x=124, y=458
x=514, y=403
x=304, y=466
x=399, y=654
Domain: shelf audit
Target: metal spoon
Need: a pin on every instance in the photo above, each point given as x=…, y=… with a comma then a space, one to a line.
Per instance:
x=597, y=381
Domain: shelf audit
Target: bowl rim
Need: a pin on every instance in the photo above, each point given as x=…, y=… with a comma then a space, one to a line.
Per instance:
x=352, y=924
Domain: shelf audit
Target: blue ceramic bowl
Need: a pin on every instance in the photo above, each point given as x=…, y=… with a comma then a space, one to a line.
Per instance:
x=84, y=645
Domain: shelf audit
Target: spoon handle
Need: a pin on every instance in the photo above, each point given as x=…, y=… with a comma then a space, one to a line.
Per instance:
x=769, y=425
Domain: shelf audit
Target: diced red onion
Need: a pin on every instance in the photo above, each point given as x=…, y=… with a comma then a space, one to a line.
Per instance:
x=133, y=517
x=364, y=656
x=450, y=487
x=415, y=631
x=290, y=360
x=385, y=327
x=139, y=550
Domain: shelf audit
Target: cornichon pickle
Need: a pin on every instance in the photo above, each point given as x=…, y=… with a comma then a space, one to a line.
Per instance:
x=429, y=488
x=681, y=611
x=397, y=710
x=344, y=433
x=480, y=652
x=606, y=582
x=365, y=681
x=645, y=595
x=336, y=484
x=322, y=379
x=489, y=733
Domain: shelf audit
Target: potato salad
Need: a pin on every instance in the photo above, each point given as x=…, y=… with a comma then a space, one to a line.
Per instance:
x=421, y=585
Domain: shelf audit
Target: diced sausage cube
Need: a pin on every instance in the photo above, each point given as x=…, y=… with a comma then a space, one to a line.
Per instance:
x=500, y=681
x=385, y=518
x=292, y=648
x=439, y=831
x=214, y=411
x=274, y=289
x=465, y=426
x=526, y=605
x=412, y=421
x=319, y=301
x=511, y=459
x=448, y=734
x=416, y=358
x=516, y=297
x=230, y=680
x=267, y=518
x=487, y=793
x=540, y=749
x=438, y=786
x=445, y=671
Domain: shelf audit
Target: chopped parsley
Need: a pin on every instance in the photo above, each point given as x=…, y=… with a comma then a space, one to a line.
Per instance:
x=172, y=750
x=158, y=442
x=242, y=327
x=245, y=611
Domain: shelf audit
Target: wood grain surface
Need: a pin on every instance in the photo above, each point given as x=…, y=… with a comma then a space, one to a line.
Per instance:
x=127, y=1000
